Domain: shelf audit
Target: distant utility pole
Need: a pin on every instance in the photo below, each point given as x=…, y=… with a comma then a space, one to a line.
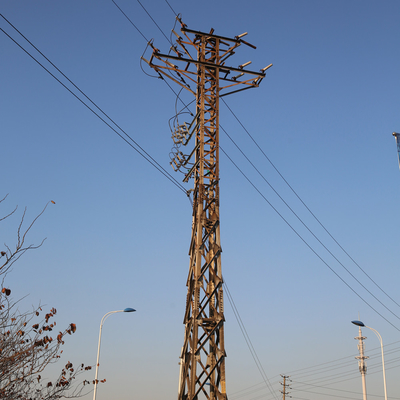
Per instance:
x=285, y=386
x=397, y=137
x=362, y=365
x=197, y=62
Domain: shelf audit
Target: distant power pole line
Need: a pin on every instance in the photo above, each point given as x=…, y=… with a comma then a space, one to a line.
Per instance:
x=362, y=365
x=285, y=386
x=197, y=62
x=397, y=137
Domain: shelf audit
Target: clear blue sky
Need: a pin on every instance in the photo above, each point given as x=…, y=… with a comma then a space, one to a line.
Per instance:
x=118, y=235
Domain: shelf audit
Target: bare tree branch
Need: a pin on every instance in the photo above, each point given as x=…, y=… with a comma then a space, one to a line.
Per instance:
x=29, y=341
x=11, y=213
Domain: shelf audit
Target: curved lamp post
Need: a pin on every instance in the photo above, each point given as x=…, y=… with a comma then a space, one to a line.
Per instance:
x=98, y=348
x=359, y=323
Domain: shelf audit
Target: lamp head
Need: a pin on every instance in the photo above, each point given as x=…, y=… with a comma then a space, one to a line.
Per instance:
x=129, y=310
x=358, y=323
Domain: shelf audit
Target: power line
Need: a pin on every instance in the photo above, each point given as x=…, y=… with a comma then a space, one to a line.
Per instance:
x=377, y=349
x=160, y=77
x=305, y=242
x=349, y=375
x=154, y=21
x=327, y=394
x=248, y=341
x=326, y=369
x=305, y=225
x=319, y=365
x=171, y=8
x=348, y=370
x=146, y=155
x=120, y=9
x=355, y=374
x=308, y=209
x=312, y=371
x=344, y=391
x=247, y=391
x=348, y=364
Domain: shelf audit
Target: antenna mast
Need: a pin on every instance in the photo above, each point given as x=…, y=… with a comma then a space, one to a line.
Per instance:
x=202, y=70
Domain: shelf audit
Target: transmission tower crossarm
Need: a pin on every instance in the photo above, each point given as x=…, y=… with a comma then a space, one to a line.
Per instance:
x=223, y=69
x=222, y=38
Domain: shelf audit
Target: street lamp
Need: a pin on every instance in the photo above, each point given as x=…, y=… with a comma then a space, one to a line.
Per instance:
x=359, y=323
x=98, y=348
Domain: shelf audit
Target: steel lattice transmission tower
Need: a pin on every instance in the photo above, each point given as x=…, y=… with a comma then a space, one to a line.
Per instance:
x=197, y=62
